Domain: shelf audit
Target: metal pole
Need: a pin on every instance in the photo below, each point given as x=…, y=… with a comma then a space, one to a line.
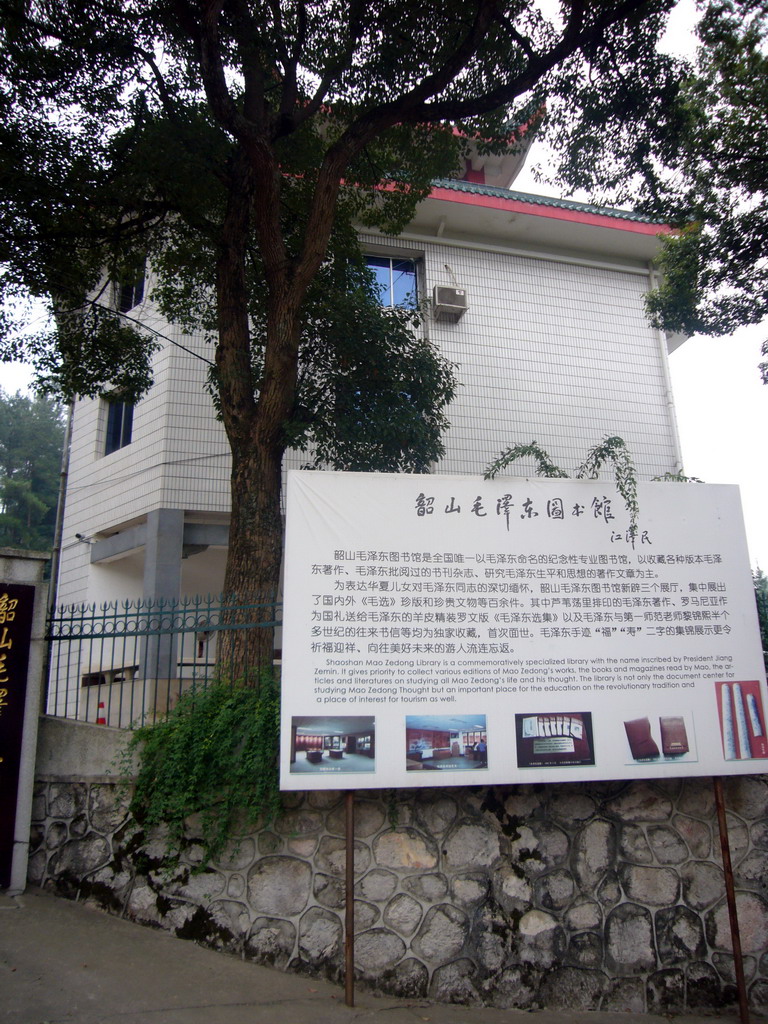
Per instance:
x=349, y=909
x=730, y=893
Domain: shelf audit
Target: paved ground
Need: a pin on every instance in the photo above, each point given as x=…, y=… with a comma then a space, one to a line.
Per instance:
x=66, y=963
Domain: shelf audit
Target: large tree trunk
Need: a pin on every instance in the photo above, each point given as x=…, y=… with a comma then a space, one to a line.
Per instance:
x=253, y=563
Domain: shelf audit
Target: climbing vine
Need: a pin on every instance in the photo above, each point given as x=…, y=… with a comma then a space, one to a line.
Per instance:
x=214, y=756
x=611, y=449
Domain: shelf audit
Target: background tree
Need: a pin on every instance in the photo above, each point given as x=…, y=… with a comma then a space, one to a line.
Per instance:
x=239, y=143
x=31, y=436
x=709, y=177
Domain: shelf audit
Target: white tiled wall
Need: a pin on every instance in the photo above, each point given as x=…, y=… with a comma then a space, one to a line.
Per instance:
x=556, y=352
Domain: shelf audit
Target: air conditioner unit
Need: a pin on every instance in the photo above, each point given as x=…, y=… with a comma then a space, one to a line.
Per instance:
x=449, y=303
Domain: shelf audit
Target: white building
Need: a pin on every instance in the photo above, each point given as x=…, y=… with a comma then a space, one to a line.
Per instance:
x=554, y=346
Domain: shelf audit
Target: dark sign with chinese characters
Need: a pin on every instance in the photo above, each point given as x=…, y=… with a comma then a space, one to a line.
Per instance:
x=16, y=606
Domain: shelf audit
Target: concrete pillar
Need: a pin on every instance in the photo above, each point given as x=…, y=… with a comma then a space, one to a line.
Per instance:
x=25, y=569
x=162, y=581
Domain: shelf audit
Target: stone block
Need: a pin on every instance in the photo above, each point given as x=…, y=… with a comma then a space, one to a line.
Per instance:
x=329, y=891
x=442, y=934
x=629, y=946
x=654, y=887
x=436, y=814
x=667, y=846
x=571, y=805
x=407, y=980
x=271, y=941
x=752, y=911
x=705, y=990
x=698, y=799
x=539, y=846
x=469, y=889
x=377, y=949
x=584, y=914
x=747, y=796
x=299, y=822
x=76, y=859
x=585, y=949
x=403, y=914
x=633, y=846
x=331, y=856
x=514, y=988
x=66, y=799
x=540, y=941
x=572, y=989
x=703, y=884
x=665, y=991
x=431, y=888
x=378, y=885
x=279, y=886
x=640, y=802
x=471, y=844
x=696, y=834
x=57, y=835
x=366, y=916
x=624, y=995
x=200, y=888
x=238, y=854
x=511, y=890
x=235, y=886
x=107, y=807
x=320, y=937
x=405, y=849
x=594, y=853
x=370, y=816
x=454, y=983
x=555, y=890
x=679, y=936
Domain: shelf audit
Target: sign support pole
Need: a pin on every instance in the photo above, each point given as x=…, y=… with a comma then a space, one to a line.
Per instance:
x=730, y=892
x=349, y=902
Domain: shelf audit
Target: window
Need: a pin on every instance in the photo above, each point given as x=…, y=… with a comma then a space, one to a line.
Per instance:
x=119, y=425
x=130, y=290
x=395, y=280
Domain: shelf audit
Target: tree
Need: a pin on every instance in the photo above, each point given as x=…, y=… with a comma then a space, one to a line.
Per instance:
x=710, y=178
x=31, y=436
x=248, y=139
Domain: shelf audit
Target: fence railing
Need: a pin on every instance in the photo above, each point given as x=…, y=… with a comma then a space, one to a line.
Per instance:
x=127, y=663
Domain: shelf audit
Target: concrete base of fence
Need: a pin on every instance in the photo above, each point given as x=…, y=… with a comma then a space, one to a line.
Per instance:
x=579, y=897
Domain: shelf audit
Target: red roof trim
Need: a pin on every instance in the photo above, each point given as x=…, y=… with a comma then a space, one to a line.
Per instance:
x=553, y=212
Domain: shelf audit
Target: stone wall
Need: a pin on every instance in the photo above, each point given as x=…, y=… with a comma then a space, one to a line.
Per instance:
x=607, y=896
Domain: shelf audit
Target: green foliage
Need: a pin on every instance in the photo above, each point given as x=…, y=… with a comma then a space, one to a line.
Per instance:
x=760, y=581
x=31, y=436
x=543, y=463
x=610, y=449
x=214, y=756
x=715, y=268
x=678, y=478
x=615, y=451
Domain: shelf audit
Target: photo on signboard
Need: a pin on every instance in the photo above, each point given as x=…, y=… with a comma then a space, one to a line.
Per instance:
x=328, y=743
x=554, y=740
x=658, y=739
x=445, y=743
x=742, y=720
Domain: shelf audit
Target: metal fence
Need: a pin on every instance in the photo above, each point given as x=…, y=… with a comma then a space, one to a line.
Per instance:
x=127, y=663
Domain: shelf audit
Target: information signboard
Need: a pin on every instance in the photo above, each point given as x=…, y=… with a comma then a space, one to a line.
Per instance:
x=444, y=630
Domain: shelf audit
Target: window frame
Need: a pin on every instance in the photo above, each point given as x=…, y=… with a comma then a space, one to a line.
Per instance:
x=374, y=261
x=118, y=425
